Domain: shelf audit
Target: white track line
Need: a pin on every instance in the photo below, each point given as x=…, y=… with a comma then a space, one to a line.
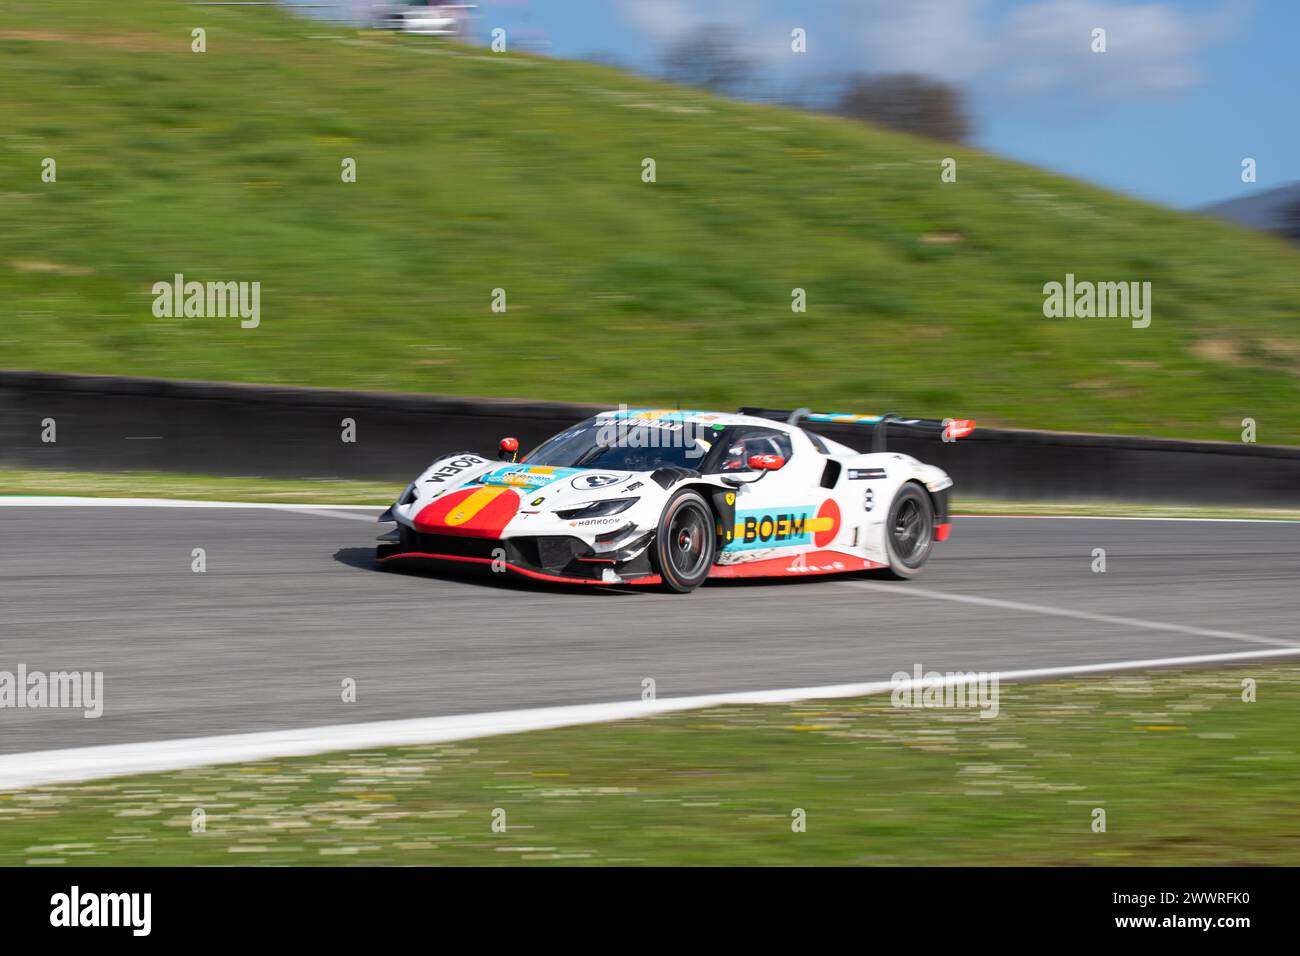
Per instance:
x=54, y=501
x=41, y=768
x=336, y=513
x=67, y=501
x=86, y=501
x=320, y=511
x=913, y=591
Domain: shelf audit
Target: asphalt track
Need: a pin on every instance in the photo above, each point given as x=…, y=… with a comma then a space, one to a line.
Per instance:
x=291, y=605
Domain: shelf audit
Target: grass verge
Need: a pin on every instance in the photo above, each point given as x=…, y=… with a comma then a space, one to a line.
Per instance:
x=478, y=172
x=1185, y=770
x=151, y=484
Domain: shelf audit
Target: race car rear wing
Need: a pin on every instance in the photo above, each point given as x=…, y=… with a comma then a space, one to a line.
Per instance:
x=949, y=429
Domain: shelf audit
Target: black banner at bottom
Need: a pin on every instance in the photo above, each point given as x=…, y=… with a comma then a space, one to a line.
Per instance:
x=337, y=905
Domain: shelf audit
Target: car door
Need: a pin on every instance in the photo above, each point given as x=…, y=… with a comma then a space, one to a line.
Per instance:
x=778, y=513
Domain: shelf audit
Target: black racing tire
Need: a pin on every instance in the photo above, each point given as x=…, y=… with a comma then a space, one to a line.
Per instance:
x=909, y=531
x=685, y=543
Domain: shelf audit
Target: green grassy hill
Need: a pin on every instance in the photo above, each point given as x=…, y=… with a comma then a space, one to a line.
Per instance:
x=479, y=171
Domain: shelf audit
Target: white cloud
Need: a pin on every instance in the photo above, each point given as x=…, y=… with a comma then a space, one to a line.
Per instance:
x=665, y=20
x=1149, y=48
x=1041, y=46
x=661, y=19
x=756, y=27
x=1035, y=47
x=944, y=38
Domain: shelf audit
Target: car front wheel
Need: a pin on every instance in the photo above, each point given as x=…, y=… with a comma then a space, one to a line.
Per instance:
x=685, y=543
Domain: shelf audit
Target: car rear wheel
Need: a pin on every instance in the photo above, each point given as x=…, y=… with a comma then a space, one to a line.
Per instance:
x=685, y=543
x=909, y=531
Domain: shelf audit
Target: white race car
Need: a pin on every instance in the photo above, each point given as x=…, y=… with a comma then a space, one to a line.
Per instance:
x=672, y=498
x=426, y=17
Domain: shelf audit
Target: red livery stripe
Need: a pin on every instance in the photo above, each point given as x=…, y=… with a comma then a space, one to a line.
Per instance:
x=795, y=565
x=478, y=512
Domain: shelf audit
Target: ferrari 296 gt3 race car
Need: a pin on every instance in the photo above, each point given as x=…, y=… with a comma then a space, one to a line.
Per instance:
x=671, y=498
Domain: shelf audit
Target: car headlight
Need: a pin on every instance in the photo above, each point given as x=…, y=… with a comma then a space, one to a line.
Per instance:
x=598, y=509
x=408, y=495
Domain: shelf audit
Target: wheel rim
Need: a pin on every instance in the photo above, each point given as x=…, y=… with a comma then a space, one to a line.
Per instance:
x=910, y=532
x=687, y=542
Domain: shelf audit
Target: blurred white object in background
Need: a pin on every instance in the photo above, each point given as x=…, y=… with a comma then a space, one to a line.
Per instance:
x=426, y=17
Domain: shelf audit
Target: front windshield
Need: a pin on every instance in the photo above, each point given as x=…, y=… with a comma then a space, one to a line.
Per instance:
x=644, y=445
x=623, y=445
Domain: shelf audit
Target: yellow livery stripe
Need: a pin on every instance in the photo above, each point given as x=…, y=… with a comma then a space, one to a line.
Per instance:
x=475, y=503
x=810, y=526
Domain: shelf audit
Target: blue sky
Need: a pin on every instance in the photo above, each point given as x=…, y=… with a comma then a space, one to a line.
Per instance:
x=1185, y=90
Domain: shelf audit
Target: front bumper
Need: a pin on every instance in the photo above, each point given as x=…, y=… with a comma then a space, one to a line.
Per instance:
x=942, y=518
x=560, y=558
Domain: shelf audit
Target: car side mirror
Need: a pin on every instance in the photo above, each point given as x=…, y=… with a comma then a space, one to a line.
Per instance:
x=509, y=448
x=759, y=465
